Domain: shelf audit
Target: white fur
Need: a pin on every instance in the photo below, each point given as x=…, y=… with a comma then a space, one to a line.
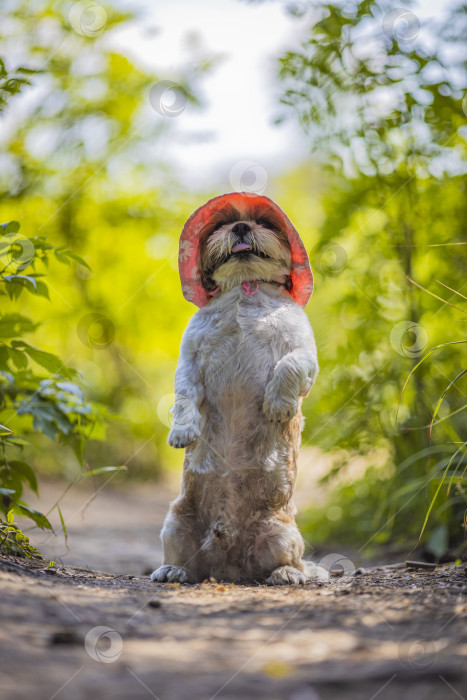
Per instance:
x=245, y=363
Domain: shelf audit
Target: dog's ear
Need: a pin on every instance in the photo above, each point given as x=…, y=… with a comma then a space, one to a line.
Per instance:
x=207, y=282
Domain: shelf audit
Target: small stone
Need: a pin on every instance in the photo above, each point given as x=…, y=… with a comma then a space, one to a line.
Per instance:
x=64, y=637
x=154, y=604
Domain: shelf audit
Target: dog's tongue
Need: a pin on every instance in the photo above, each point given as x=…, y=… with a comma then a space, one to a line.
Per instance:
x=240, y=246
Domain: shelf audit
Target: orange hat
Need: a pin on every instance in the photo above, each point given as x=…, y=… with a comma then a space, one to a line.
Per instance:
x=188, y=256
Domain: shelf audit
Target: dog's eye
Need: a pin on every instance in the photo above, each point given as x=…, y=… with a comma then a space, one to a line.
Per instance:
x=219, y=225
x=267, y=224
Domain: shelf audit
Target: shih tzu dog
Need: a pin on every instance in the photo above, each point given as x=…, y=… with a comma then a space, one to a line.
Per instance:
x=247, y=359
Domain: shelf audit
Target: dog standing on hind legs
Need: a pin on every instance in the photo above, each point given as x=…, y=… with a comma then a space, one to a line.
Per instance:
x=247, y=359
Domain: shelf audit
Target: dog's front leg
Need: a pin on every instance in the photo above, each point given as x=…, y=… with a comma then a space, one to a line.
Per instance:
x=293, y=378
x=189, y=393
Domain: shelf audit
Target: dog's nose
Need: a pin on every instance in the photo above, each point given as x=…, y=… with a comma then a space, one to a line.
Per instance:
x=241, y=229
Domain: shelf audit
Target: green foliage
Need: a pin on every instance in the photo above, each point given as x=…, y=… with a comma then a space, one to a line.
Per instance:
x=12, y=83
x=452, y=472
x=14, y=541
x=54, y=404
x=385, y=119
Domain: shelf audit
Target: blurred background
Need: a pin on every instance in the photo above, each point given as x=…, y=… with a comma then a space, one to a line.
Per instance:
x=118, y=120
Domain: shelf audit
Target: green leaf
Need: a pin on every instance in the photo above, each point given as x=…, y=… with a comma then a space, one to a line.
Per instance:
x=19, y=358
x=46, y=426
x=65, y=426
x=61, y=257
x=441, y=482
x=5, y=431
x=13, y=480
x=4, y=356
x=11, y=227
x=441, y=345
x=44, y=359
x=28, y=71
x=39, y=518
x=26, y=472
x=42, y=290
x=76, y=258
x=62, y=521
x=10, y=378
x=19, y=442
x=24, y=280
x=102, y=470
x=77, y=445
x=12, y=325
x=71, y=388
x=441, y=398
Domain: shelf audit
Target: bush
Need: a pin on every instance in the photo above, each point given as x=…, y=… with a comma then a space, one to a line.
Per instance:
x=38, y=392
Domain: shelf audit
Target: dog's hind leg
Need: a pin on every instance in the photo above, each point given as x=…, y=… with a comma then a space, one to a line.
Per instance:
x=181, y=552
x=279, y=549
x=277, y=552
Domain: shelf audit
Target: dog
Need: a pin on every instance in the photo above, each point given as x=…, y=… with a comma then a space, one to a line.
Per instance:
x=247, y=359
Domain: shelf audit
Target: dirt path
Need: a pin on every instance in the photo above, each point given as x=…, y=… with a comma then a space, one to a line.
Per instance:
x=70, y=633
x=114, y=529
x=392, y=634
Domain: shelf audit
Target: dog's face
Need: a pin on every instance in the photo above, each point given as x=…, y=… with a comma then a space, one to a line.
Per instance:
x=243, y=245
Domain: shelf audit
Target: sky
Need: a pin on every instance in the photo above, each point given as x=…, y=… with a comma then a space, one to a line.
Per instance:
x=232, y=138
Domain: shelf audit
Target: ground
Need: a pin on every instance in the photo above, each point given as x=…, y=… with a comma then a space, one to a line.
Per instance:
x=390, y=633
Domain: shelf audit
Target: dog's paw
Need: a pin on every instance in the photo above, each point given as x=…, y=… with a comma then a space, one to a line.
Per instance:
x=182, y=437
x=279, y=408
x=170, y=574
x=286, y=576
